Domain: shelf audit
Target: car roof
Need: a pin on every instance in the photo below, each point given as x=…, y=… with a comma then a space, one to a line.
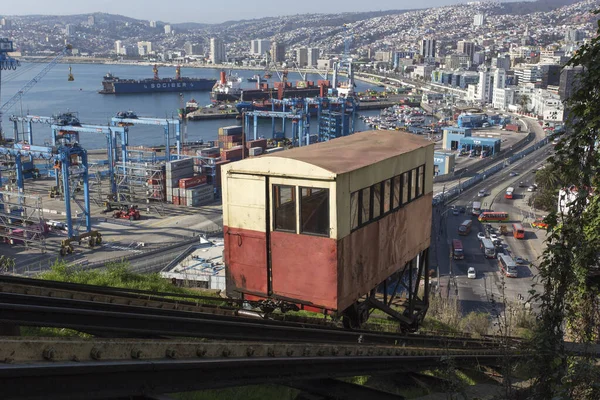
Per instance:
x=471, y=268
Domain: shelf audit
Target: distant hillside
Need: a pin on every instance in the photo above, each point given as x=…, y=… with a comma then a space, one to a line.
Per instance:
x=529, y=7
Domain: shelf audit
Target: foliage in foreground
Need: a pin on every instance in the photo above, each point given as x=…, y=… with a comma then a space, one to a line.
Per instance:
x=569, y=304
x=114, y=275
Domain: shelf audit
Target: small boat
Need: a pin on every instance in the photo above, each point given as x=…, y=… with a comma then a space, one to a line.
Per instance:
x=255, y=78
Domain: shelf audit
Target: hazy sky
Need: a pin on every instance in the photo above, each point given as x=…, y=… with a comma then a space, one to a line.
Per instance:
x=206, y=10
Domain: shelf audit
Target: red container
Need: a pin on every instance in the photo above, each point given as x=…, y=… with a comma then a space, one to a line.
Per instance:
x=176, y=200
x=232, y=154
x=183, y=201
x=262, y=143
x=187, y=183
x=513, y=127
x=229, y=139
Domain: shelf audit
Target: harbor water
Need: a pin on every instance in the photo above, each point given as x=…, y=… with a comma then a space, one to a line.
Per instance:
x=53, y=94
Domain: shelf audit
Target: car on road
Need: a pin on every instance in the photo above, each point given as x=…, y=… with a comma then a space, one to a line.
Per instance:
x=471, y=273
x=493, y=236
x=462, y=210
x=520, y=260
x=523, y=184
x=480, y=235
x=481, y=193
x=497, y=242
x=531, y=188
x=455, y=211
x=513, y=174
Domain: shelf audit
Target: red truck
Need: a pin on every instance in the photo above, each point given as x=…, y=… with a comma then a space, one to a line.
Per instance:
x=513, y=127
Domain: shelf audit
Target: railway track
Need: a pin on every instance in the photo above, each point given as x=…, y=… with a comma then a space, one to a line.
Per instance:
x=113, y=311
x=37, y=368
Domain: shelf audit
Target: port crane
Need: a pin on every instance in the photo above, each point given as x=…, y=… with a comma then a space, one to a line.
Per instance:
x=6, y=46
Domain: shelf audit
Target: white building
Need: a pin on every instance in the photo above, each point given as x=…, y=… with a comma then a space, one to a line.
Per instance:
x=424, y=71
x=503, y=98
x=324, y=63
x=119, y=48
x=167, y=29
x=144, y=48
x=217, y=51
x=546, y=104
x=152, y=24
x=479, y=19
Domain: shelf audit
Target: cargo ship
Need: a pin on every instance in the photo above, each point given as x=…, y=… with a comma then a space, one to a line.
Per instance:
x=229, y=88
x=113, y=85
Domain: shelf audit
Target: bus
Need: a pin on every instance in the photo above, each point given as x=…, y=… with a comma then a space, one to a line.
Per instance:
x=509, y=193
x=465, y=227
x=476, y=208
x=489, y=250
x=518, y=231
x=457, y=250
x=539, y=223
x=507, y=265
x=492, y=216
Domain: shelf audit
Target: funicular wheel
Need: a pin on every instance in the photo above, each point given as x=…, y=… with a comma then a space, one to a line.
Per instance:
x=355, y=316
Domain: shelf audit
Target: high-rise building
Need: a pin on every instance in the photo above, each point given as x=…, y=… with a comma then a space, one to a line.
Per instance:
x=167, y=29
x=91, y=20
x=277, y=52
x=217, y=51
x=428, y=48
x=152, y=24
x=465, y=48
x=192, y=48
x=69, y=30
x=573, y=36
x=313, y=56
x=144, y=48
x=259, y=46
x=479, y=19
x=302, y=57
x=499, y=79
x=119, y=49
x=5, y=23
x=568, y=81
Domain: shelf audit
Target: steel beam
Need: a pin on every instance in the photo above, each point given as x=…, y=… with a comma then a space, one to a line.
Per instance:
x=336, y=389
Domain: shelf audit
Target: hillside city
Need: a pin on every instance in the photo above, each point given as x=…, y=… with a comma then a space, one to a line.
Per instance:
x=484, y=52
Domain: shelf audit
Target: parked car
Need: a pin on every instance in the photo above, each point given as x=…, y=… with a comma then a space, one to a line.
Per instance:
x=455, y=211
x=480, y=235
x=520, y=260
x=531, y=188
x=493, y=236
x=471, y=273
x=462, y=210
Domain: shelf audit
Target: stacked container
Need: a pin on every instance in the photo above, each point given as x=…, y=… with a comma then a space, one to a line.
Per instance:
x=176, y=170
x=217, y=180
x=197, y=196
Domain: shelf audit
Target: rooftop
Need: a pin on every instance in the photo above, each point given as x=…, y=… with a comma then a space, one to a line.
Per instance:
x=355, y=151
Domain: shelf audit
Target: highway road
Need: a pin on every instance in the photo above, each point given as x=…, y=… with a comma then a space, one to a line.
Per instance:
x=490, y=285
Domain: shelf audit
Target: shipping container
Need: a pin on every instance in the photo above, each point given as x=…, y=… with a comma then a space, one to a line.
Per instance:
x=182, y=201
x=262, y=143
x=513, y=127
x=230, y=130
x=255, y=151
x=276, y=207
x=191, y=182
x=176, y=200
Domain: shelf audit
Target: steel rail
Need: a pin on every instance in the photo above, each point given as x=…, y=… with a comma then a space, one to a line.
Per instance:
x=132, y=320
x=150, y=299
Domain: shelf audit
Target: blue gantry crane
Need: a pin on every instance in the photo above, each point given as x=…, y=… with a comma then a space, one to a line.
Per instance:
x=66, y=128
x=126, y=119
x=71, y=163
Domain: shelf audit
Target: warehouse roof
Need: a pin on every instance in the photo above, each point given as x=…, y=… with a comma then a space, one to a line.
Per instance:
x=355, y=151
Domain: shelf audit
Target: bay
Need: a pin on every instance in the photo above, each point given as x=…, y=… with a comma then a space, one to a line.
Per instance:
x=53, y=94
